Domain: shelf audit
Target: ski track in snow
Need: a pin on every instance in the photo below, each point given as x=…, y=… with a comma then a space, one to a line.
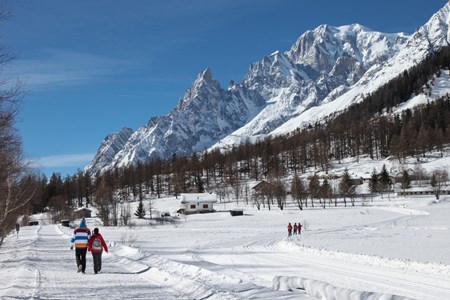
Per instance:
x=39, y=265
x=396, y=279
x=48, y=271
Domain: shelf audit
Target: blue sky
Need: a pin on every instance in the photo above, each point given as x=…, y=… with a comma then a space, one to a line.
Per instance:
x=92, y=67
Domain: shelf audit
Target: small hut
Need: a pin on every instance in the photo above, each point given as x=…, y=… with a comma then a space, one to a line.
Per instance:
x=262, y=187
x=194, y=203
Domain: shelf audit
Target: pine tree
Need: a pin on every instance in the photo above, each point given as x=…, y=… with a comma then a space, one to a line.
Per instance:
x=140, y=211
x=347, y=187
x=406, y=180
x=325, y=192
x=385, y=181
x=373, y=183
x=314, y=188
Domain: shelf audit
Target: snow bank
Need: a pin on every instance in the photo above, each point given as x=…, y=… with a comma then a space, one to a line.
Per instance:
x=323, y=290
x=366, y=260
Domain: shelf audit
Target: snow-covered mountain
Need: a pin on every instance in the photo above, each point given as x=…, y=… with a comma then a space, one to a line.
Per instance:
x=111, y=145
x=326, y=70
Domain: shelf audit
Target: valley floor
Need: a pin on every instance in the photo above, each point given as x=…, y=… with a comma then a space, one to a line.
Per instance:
x=397, y=249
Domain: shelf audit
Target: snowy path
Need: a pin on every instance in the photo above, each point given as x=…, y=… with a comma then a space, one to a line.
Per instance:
x=40, y=265
x=216, y=256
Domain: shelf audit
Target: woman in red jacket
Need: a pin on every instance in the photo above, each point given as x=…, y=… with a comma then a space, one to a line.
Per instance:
x=96, y=246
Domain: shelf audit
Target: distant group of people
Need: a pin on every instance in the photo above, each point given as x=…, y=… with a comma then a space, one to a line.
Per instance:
x=82, y=241
x=296, y=229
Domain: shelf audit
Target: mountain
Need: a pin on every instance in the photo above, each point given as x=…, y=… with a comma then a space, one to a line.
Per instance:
x=326, y=70
x=111, y=145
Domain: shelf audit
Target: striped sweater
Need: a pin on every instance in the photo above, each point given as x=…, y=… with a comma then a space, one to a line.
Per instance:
x=81, y=237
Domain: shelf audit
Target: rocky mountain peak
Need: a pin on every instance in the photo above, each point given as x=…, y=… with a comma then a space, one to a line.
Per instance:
x=325, y=66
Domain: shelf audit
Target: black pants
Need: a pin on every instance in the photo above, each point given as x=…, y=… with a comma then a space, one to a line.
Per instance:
x=80, y=254
x=97, y=257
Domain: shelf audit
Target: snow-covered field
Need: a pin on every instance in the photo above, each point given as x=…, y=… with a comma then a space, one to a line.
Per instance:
x=385, y=250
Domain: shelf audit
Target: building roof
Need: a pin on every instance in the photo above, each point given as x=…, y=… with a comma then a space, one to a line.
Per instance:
x=198, y=198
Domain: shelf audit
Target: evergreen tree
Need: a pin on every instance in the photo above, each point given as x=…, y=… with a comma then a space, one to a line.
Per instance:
x=314, y=188
x=140, y=210
x=347, y=187
x=199, y=184
x=406, y=180
x=373, y=183
x=385, y=181
x=325, y=192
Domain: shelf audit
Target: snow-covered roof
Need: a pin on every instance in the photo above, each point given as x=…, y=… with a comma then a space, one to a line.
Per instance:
x=198, y=198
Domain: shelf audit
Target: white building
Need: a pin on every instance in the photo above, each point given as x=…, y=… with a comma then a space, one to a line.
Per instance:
x=198, y=202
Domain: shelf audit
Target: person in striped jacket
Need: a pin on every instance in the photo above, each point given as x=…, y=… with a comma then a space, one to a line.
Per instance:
x=80, y=240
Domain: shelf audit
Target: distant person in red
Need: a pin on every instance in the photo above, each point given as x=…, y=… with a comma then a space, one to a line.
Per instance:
x=96, y=246
x=299, y=228
x=289, y=227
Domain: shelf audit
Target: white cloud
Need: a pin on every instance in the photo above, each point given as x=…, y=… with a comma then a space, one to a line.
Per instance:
x=68, y=160
x=55, y=68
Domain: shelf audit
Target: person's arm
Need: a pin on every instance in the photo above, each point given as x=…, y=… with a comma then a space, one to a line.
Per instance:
x=90, y=242
x=104, y=244
x=72, y=240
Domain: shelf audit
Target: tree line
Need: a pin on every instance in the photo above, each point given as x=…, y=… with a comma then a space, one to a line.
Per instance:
x=366, y=128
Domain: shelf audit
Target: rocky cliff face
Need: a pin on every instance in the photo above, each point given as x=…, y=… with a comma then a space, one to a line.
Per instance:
x=111, y=145
x=326, y=70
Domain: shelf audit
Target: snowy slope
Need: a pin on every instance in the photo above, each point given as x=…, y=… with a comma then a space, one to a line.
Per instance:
x=326, y=70
x=430, y=37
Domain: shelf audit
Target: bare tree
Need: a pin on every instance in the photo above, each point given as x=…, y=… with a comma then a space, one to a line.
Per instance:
x=17, y=187
x=103, y=196
x=439, y=180
x=299, y=192
x=246, y=193
x=237, y=189
x=257, y=200
x=151, y=207
x=125, y=213
x=419, y=174
x=279, y=192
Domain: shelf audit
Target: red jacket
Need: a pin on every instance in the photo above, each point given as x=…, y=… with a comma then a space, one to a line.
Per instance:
x=91, y=240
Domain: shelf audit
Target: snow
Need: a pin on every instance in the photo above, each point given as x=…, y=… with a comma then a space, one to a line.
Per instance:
x=385, y=248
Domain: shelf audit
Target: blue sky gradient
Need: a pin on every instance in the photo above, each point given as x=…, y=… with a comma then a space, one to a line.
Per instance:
x=92, y=67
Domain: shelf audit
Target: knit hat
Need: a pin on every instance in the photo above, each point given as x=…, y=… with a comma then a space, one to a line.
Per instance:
x=83, y=223
x=95, y=230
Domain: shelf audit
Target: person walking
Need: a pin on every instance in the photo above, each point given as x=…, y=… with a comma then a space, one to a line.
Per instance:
x=17, y=229
x=289, y=228
x=80, y=240
x=96, y=246
x=295, y=228
x=299, y=228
